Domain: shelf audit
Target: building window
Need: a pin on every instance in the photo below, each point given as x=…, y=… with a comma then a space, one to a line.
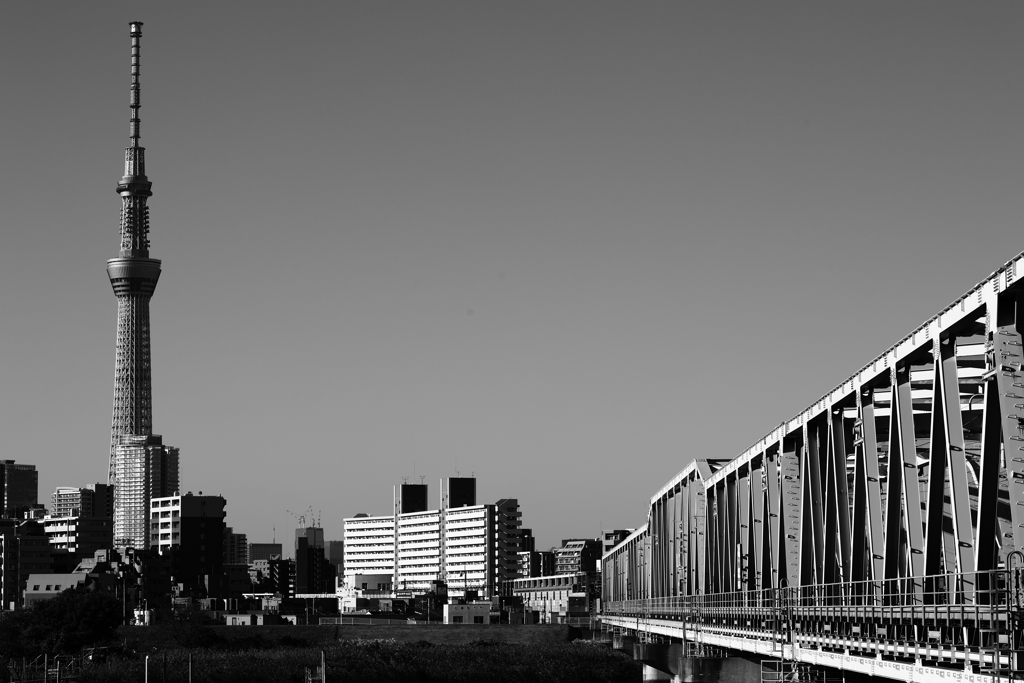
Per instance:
x=478, y=620
x=456, y=620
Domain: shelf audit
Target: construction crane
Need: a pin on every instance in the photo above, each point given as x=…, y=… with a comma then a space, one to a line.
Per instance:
x=301, y=519
x=307, y=514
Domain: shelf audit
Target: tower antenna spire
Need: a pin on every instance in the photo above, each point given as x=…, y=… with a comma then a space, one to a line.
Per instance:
x=136, y=32
x=135, y=187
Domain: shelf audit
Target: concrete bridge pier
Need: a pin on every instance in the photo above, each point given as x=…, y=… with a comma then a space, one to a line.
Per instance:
x=653, y=656
x=700, y=669
x=622, y=641
x=653, y=674
x=668, y=662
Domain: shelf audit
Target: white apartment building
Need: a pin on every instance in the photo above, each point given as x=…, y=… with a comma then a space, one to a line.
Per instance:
x=471, y=547
x=81, y=535
x=370, y=545
x=169, y=514
x=467, y=539
x=419, y=550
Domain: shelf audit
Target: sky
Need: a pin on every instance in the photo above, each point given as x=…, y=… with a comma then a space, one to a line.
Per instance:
x=562, y=247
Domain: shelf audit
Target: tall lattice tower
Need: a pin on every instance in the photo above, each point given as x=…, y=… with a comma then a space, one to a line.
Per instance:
x=140, y=466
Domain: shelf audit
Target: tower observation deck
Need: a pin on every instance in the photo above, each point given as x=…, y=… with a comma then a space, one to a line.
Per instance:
x=137, y=456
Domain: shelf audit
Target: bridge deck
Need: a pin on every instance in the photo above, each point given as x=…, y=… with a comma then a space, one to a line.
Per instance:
x=870, y=627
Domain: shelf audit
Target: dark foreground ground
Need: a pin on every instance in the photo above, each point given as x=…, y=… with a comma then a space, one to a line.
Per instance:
x=369, y=654
x=158, y=637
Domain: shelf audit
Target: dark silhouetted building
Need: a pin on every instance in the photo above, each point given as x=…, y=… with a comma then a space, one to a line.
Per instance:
x=334, y=551
x=191, y=530
x=612, y=537
x=263, y=551
x=527, y=543
x=79, y=536
x=10, y=582
x=236, y=547
x=536, y=563
x=280, y=577
x=19, y=488
x=314, y=573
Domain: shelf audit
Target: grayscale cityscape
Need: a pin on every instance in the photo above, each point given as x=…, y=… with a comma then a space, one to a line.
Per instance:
x=569, y=342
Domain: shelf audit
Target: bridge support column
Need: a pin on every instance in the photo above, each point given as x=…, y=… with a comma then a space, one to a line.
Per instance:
x=654, y=674
x=659, y=660
x=621, y=641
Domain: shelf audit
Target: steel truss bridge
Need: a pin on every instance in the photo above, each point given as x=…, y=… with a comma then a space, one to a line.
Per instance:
x=879, y=531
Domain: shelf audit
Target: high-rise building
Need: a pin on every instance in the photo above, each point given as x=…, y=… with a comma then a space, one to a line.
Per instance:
x=312, y=535
x=191, y=529
x=145, y=469
x=19, y=488
x=34, y=553
x=95, y=500
x=370, y=544
x=23, y=551
x=334, y=551
x=236, y=547
x=280, y=577
x=141, y=467
x=314, y=573
x=578, y=555
x=10, y=582
x=527, y=543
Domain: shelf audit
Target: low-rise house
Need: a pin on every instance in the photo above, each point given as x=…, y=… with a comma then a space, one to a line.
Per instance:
x=555, y=599
x=470, y=613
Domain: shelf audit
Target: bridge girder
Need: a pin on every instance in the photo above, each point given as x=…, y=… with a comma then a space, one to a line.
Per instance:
x=908, y=473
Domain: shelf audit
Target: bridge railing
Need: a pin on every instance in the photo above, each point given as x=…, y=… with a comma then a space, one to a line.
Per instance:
x=974, y=596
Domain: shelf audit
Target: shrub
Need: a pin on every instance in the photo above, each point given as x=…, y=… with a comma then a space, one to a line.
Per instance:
x=64, y=624
x=385, y=661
